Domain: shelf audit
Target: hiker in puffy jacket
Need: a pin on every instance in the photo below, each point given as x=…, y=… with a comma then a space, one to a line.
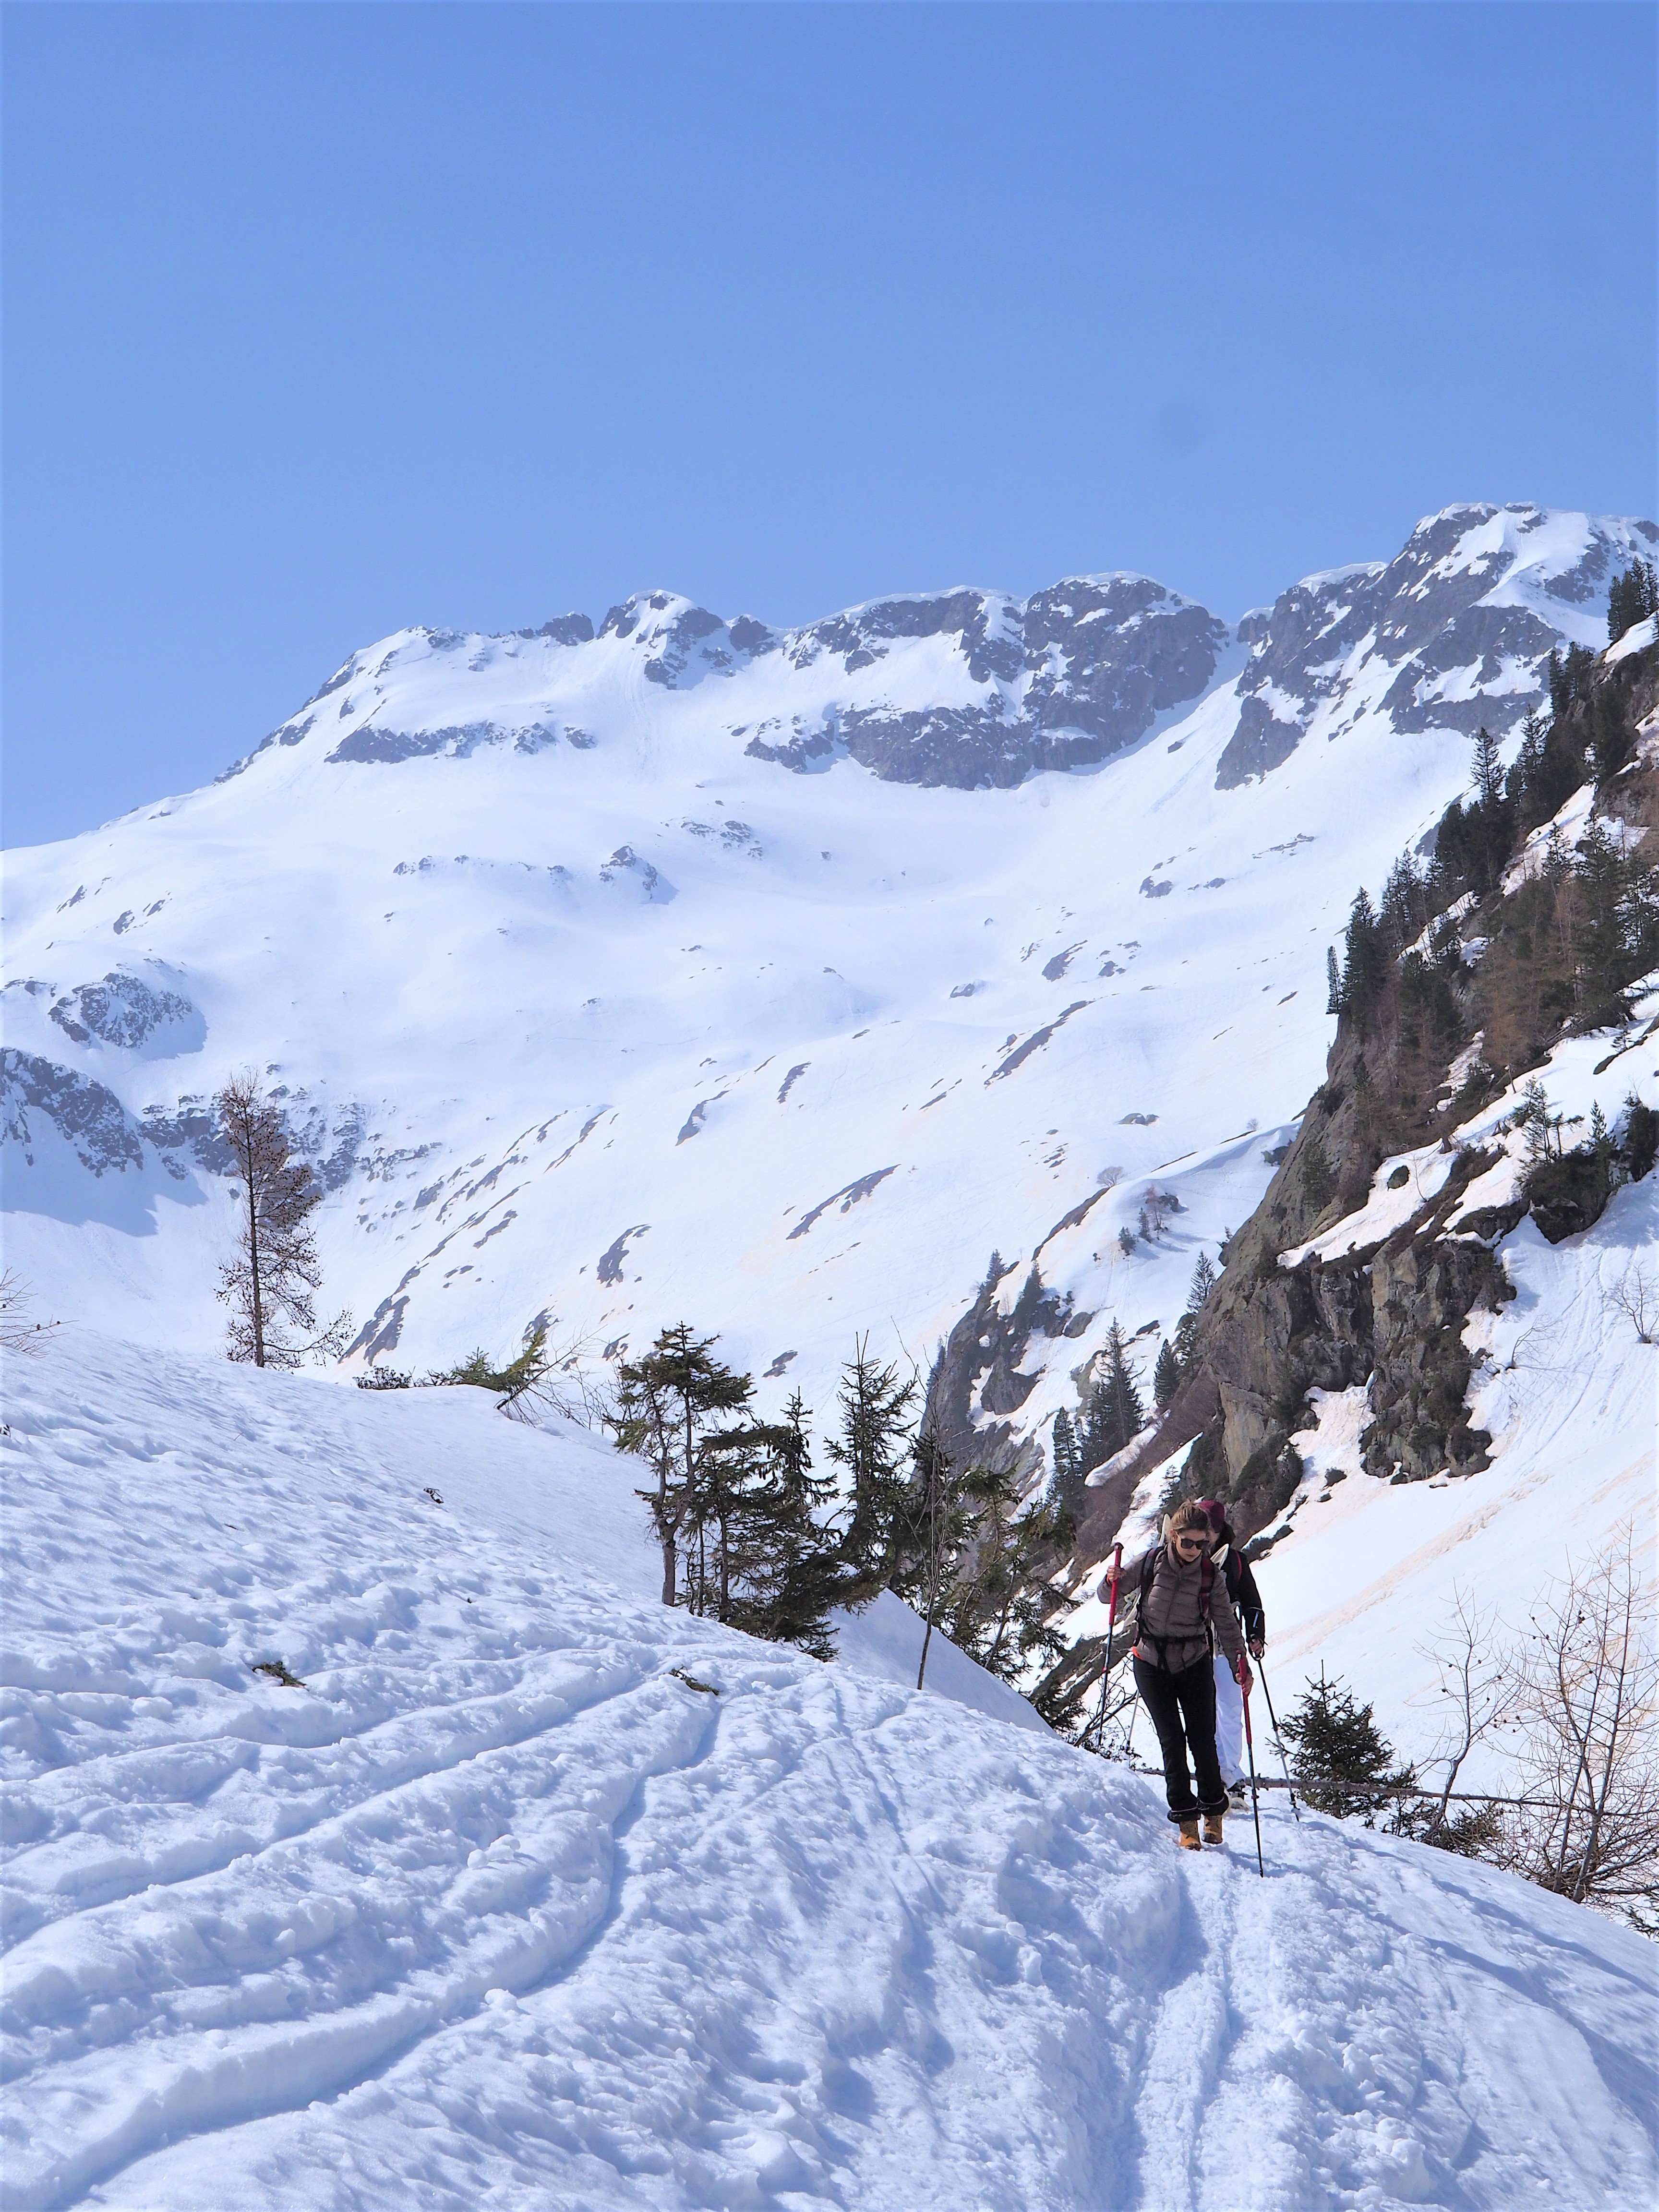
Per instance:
x=1184, y=1609
x=1247, y=1603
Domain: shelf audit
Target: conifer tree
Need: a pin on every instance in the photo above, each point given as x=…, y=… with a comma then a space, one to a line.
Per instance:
x=1634, y=596
x=1203, y=1282
x=1340, y=1761
x=871, y=1450
x=1611, y=743
x=1365, y=962
x=1116, y=1414
x=270, y=1282
x=666, y=1404
x=997, y=1607
x=1488, y=769
x=1065, y=1448
x=934, y=1529
x=1166, y=1378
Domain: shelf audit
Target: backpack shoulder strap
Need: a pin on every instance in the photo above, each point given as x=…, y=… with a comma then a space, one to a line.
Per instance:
x=1205, y=1583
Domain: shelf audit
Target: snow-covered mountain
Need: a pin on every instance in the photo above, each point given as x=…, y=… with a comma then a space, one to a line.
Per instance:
x=682, y=967
x=523, y=1891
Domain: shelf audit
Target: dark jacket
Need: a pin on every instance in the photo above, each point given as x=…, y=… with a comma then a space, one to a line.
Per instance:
x=1172, y=1613
x=1241, y=1588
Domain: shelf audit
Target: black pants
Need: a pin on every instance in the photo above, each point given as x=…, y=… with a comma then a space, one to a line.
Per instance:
x=1182, y=1707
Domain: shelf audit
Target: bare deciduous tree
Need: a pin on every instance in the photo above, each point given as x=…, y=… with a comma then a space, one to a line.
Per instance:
x=1586, y=1680
x=268, y=1283
x=18, y=1331
x=1477, y=1693
x=1635, y=1295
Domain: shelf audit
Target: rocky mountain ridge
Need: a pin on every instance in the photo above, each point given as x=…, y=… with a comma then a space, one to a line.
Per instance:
x=589, y=1011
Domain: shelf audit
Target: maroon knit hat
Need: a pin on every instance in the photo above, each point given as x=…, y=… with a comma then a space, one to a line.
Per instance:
x=1216, y=1511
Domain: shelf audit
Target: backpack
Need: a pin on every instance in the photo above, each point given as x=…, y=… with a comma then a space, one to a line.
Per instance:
x=1205, y=1583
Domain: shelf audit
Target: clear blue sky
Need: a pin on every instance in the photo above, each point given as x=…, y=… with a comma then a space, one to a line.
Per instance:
x=321, y=319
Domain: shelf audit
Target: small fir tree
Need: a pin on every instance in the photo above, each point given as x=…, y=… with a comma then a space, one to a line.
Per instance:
x=872, y=1449
x=1340, y=1759
x=666, y=1403
x=1166, y=1378
x=1065, y=1448
x=1115, y=1412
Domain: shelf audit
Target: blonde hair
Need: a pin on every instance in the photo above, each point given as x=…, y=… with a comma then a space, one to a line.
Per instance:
x=1189, y=1518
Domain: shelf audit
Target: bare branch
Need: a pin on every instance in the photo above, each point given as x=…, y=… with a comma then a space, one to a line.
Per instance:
x=18, y=1332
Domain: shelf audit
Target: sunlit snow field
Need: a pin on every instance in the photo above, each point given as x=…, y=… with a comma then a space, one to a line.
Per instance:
x=497, y=1909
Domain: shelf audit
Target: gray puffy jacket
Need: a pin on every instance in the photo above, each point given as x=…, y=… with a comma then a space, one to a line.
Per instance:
x=1173, y=1611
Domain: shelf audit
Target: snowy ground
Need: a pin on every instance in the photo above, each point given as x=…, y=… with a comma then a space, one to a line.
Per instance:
x=497, y=1910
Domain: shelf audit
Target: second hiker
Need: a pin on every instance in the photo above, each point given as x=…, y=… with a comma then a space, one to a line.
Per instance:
x=1184, y=1611
x=1247, y=1602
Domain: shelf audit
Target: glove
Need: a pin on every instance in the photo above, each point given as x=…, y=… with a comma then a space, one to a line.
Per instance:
x=1258, y=1645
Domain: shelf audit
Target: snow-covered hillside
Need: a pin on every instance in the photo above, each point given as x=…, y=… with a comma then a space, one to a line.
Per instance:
x=498, y=1908
x=1363, y=1576
x=688, y=968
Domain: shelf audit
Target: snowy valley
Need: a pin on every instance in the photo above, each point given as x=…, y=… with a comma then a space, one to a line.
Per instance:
x=952, y=973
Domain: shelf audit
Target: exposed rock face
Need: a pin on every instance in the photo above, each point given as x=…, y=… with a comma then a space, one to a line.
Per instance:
x=1422, y=1294
x=1071, y=677
x=682, y=643
x=455, y=741
x=126, y=1011
x=1442, y=634
x=87, y=1114
x=978, y=1371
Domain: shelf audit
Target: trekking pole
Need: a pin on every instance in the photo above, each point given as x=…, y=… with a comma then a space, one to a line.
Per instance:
x=1111, y=1623
x=1279, y=1740
x=1254, y=1805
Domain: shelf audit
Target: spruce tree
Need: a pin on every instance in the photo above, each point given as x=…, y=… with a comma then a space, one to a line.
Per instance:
x=1166, y=1378
x=1365, y=962
x=666, y=1403
x=1203, y=1282
x=934, y=1527
x=871, y=1450
x=1116, y=1414
x=1065, y=1448
x=997, y=1607
x=1339, y=1760
x=1488, y=777
x=784, y=1569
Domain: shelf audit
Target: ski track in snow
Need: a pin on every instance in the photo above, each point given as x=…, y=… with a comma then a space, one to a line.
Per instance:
x=496, y=1911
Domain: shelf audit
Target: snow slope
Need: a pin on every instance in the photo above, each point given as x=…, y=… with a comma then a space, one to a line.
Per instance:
x=498, y=1909
x=693, y=970
x=1364, y=1575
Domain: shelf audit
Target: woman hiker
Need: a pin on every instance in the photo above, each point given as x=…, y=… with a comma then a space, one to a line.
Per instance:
x=1247, y=1603
x=1183, y=1610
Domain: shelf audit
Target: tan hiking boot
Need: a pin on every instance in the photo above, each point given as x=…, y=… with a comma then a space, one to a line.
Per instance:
x=1189, y=1835
x=1212, y=1827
